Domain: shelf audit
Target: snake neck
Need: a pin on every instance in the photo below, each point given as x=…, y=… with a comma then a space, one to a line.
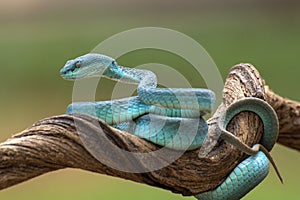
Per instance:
x=144, y=78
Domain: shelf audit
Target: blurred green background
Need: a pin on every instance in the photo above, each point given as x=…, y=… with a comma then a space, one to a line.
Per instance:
x=37, y=37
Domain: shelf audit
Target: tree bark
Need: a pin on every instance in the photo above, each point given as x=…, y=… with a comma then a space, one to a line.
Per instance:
x=58, y=142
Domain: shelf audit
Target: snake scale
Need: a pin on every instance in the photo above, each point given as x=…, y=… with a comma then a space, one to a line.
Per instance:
x=156, y=115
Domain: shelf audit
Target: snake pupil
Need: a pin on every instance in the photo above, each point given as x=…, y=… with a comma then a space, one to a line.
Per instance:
x=78, y=65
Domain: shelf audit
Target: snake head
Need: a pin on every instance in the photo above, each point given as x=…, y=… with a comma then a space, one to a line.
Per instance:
x=89, y=65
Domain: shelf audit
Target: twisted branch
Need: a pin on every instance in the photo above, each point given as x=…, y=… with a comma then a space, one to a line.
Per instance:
x=54, y=143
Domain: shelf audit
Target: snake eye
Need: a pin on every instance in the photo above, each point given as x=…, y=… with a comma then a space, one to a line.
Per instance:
x=78, y=64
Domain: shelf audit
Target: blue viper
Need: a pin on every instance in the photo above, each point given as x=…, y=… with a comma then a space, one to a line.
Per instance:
x=143, y=115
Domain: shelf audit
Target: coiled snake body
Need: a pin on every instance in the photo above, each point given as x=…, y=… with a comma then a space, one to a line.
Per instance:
x=157, y=113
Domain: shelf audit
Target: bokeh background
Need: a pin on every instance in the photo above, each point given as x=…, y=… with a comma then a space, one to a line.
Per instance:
x=38, y=36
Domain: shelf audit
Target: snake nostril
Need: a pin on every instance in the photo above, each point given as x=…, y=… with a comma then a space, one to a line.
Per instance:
x=63, y=71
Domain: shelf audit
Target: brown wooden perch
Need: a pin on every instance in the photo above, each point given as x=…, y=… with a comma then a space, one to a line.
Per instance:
x=54, y=143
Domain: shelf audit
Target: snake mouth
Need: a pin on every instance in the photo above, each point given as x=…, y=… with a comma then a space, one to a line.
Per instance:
x=68, y=74
x=71, y=74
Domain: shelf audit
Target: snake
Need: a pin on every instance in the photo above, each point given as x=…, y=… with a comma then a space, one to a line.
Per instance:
x=157, y=114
